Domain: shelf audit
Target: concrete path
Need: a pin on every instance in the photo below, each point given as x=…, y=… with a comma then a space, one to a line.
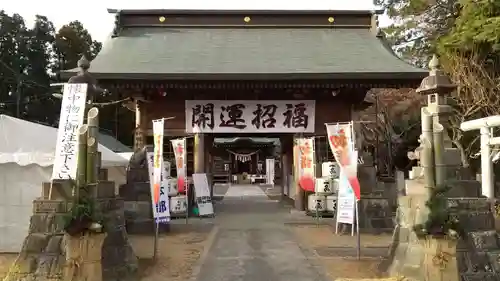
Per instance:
x=241, y=190
x=252, y=242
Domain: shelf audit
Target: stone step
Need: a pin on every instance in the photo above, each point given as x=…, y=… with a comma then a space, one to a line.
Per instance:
x=469, y=204
x=63, y=189
x=103, y=174
x=138, y=209
x=484, y=240
x=139, y=191
x=464, y=188
x=140, y=174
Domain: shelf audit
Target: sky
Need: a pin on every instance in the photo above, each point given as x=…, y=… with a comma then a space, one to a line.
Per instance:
x=99, y=23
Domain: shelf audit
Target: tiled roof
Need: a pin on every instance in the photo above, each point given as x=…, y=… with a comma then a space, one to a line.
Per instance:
x=262, y=53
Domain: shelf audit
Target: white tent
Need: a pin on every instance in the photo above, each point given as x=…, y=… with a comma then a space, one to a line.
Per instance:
x=26, y=157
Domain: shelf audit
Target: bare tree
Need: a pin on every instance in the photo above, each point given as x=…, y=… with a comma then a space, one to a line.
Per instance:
x=477, y=96
x=389, y=124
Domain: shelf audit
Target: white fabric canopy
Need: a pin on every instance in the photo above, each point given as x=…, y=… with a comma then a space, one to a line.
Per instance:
x=26, y=156
x=26, y=143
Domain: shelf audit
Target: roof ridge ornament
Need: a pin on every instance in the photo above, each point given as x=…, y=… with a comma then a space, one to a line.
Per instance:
x=117, y=27
x=84, y=77
x=83, y=63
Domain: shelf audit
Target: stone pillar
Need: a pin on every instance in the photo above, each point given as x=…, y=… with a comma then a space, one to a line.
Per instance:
x=140, y=124
x=199, y=153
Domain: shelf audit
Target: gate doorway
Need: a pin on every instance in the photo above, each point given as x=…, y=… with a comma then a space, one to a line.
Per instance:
x=242, y=160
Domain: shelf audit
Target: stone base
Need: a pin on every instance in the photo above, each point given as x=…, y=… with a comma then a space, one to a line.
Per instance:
x=138, y=191
x=43, y=255
x=376, y=215
x=477, y=253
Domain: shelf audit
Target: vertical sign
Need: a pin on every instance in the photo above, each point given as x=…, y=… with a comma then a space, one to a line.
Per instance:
x=340, y=138
x=270, y=171
x=159, y=195
x=167, y=169
x=306, y=163
x=179, y=147
x=70, y=119
x=346, y=199
x=163, y=197
x=202, y=195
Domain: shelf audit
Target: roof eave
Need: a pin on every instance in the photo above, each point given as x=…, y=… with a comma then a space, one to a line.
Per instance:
x=417, y=75
x=233, y=12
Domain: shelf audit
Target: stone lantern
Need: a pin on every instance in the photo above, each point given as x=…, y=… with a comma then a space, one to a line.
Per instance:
x=84, y=77
x=437, y=86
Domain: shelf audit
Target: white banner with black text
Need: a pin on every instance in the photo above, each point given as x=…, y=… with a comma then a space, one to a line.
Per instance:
x=70, y=119
x=159, y=193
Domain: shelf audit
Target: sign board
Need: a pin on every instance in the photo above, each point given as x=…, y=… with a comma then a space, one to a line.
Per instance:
x=202, y=195
x=270, y=171
x=70, y=119
x=168, y=169
x=346, y=202
x=250, y=116
x=163, y=216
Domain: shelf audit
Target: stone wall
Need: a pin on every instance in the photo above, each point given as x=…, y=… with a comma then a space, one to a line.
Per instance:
x=42, y=256
x=478, y=253
x=378, y=198
x=136, y=194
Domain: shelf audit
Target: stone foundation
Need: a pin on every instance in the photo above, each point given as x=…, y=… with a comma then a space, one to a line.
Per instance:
x=43, y=255
x=477, y=254
x=137, y=196
x=376, y=215
x=378, y=196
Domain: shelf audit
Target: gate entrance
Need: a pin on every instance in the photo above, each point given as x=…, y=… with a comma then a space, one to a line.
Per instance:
x=252, y=86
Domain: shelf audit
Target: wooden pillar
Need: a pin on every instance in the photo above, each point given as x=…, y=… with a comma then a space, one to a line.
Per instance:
x=209, y=165
x=299, y=192
x=140, y=125
x=199, y=153
x=284, y=176
x=286, y=164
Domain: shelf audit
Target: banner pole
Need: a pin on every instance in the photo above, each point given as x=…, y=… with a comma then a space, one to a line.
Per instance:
x=186, y=187
x=358, y=238
x=155, y=245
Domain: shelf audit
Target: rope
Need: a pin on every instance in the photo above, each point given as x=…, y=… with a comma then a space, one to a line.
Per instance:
x=243, y=157
x=441, y=259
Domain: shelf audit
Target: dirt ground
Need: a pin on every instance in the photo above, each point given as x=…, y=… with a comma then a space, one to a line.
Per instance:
x=6, y=260
x=339, y=268
x=178, y=254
